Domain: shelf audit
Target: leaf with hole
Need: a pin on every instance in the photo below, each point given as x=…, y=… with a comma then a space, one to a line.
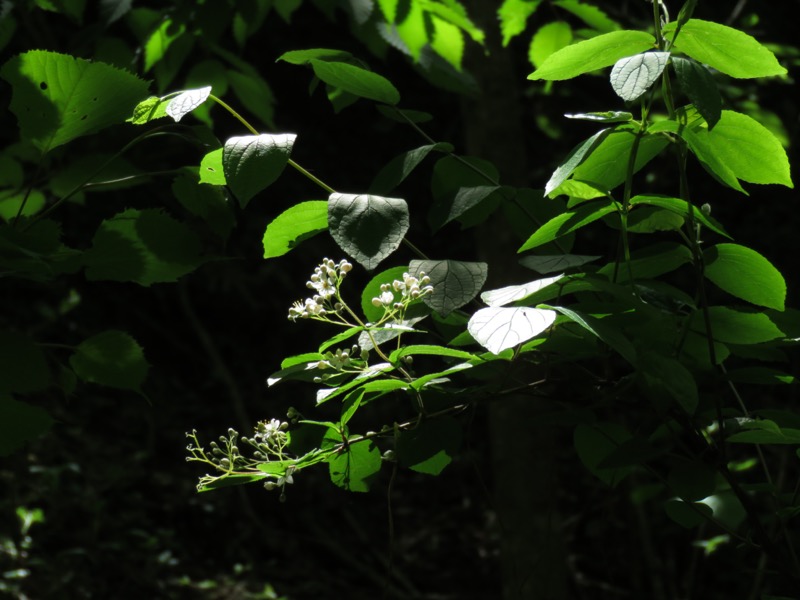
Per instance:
x=57, y=98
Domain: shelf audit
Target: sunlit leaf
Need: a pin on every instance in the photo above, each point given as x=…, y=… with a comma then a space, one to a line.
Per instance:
x=186, y=102
x=356, y=467
x=211, y=169
x=57, y=98
x=369, y=228
x=251, y=163
x=499, y=328
x=294, y=225
x=725, y=49
x=513, y=15
x=632, y=76
x=592, y=54
x=356, y=81
x=567, y=223
x=512, y=293
x=549, y=38
x=744, y=273
x=589, y=14
x=454, y=282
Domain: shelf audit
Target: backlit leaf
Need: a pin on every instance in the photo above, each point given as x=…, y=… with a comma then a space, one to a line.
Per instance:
x=513, y=15
x=568, y=222
x=211, y=169
x=589, y=14
x=549, y=38
x=356, y=81
x=294, y=225
x=356, y=467
x=592, y=54
x=57, y=98
x=744, y=273
x=725, y=49
x=574, y=158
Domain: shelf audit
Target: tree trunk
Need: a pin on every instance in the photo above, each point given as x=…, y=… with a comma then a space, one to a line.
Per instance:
x=523, y=454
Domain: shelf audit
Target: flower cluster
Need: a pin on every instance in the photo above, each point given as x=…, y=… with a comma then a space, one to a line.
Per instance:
x=410, y=288
x=270, y=433
x=325, y=281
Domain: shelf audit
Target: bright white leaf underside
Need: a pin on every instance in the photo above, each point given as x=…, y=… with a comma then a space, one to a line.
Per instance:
x=185, y=102
x=500, y=328
x=512, y=293
x=632, y=76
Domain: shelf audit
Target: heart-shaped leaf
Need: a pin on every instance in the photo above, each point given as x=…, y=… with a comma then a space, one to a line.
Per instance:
x=111, y=358
x=500, y=328
x=253, y=162
x=454, y=282
x=369, y=228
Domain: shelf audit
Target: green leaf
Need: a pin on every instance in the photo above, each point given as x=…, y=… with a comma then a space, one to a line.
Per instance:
x=649, y=219
x=746, y=274
x=430, y=447
x=23, y=367
x=144, y=246
x=687, y=514
x=610, y=335
x=632, y=76
x=404, y=116
x=36, y=252
x=765, y=431
x=725, y=49
x=592, y=54
x=293, y=226
x=447, y=41
x=149, y=109
x=356, y=467
x=549, y=38
x=594, y=443
x=551, y=264
x=304, y=57
x=210, y=203
x=57, y=98
x=10, y=204
x=682, y=208
x=251, y=163
x=369, y=228
x=255, y=95
x=111, y=358
x=389, y=9
x=500, y=328
x=513, y=15
x=159, y=41
x=760, y=376
x=429, y=350
x=401, y=167
x=20, y=423
x=356, y=81
x=666, y=376
x=450, y=175
x=709, y=157
x=749, y=149
x=373, y=290
x=731, y=326
x=699, y=86
x=650, y=262
x=607, y=165
x=211, y=169
x=589, y=14
x=467, y=198
x=325, y=394
x=514, y=293
x=351, y=404
x=575, y=158
x=568, y=222
x=455, y=283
